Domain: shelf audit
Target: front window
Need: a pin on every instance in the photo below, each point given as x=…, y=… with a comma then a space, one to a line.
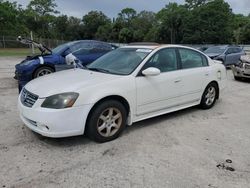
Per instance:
x=59, y=49
x=122, y=61
x=165, y=60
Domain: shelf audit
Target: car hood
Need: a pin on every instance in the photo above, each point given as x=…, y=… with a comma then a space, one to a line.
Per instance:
x=213, y=54
x=49, y=58
x=67, y=81
x=46, y=57
x=245, y=59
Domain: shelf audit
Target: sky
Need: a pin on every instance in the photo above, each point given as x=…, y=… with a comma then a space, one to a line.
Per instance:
x=111, y=8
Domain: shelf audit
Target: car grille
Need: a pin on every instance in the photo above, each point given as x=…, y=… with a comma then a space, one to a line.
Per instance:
x=27, y=98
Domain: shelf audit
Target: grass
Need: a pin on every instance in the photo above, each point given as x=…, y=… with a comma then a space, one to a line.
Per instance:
x=4, y=52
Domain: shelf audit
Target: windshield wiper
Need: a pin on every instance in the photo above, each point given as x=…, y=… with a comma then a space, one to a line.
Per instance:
x=98, y=70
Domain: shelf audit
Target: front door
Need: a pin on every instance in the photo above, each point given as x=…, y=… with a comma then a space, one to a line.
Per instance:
x=155, y=93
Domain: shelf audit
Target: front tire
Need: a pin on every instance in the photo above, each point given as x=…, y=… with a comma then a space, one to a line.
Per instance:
x=106, y=121
x=209, y=96
x=43, y=71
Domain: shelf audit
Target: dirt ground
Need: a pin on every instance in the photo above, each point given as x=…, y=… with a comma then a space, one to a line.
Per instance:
x=182, y=149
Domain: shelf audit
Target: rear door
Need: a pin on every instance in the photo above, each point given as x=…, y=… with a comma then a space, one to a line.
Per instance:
x=194, y=74
x=233, y=55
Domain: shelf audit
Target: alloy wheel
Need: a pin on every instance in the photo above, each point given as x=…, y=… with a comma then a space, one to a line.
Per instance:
x=43, y=72
x=210, y=96
x=109, y=122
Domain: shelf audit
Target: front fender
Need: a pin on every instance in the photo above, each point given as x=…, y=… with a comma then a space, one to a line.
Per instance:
x=113, y=88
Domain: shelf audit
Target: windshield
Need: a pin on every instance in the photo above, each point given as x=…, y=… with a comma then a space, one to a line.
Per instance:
x=59, y=48
x=216, y=49
x=121, y=61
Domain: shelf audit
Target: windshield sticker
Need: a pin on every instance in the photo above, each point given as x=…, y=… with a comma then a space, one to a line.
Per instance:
x=41, y=60
x=144, y=50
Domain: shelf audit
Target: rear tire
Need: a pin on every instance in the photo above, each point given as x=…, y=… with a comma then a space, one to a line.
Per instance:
x=106, y=121
x=209, y=96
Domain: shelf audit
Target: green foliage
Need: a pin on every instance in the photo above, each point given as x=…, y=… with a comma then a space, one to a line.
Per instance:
x=211, y=25
x=92, y=21
x=192, y=4
x=103, y=32
x=125, y=35
x=195, y=22
x=172, y=19
x=42, y=7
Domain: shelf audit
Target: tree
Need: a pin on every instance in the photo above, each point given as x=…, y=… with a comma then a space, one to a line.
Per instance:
x=40, y=16
x=209, y=24
x=43, y=7
x=125, y=17
x=238, y=24
x=245, y=34
x=172, y=21
x=92, y=21
x=127, y=14
x=191, y=4
x=75, y=29
x=125, y=35
x=141, y=25
x=104, y=32
x=60, y=25
x=11, y=22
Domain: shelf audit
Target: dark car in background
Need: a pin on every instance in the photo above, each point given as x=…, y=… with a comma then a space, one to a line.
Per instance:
x=35, y=66
x=228, y=54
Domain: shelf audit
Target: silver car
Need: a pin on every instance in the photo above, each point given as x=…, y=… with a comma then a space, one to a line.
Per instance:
x=228, y=54
x=242, y=69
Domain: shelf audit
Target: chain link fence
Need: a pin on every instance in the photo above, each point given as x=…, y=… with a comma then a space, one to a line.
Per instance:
x=11, y=42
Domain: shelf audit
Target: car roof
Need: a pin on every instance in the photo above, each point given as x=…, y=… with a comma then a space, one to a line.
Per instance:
x=88, y=41
x=226, y=46
x=152, y=47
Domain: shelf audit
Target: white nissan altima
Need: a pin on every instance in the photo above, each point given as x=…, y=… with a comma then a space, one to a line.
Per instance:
x=127, y=85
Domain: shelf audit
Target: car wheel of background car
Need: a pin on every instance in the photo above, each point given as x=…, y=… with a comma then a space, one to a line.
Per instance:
x=106, y=121
x=43, y=71
x=209, y=96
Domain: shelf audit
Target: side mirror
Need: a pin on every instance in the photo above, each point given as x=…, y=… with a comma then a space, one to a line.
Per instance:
x=151, y=71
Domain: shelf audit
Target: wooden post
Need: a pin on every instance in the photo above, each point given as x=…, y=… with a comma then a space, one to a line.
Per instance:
x=32, y=46
x=3, y=42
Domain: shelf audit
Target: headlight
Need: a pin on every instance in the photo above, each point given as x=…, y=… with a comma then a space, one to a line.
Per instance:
x=59, y=101
x=26, y=63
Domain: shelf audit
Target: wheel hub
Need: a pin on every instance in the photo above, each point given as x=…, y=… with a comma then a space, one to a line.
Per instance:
x=210, y=96
x=109, y=122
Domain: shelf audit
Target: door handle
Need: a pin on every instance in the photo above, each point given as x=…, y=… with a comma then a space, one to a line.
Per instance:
x=177, y=81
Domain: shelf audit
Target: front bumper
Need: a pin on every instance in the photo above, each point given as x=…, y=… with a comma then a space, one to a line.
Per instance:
x=54, y=122
x=23, y=77
x=240, y=72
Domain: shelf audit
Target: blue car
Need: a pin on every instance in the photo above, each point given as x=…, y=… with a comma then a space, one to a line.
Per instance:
x=32, y=67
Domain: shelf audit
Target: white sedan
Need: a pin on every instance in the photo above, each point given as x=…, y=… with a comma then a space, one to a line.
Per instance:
x=127, y=85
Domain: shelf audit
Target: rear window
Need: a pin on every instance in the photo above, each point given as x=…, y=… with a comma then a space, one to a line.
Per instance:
x=192, y=59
